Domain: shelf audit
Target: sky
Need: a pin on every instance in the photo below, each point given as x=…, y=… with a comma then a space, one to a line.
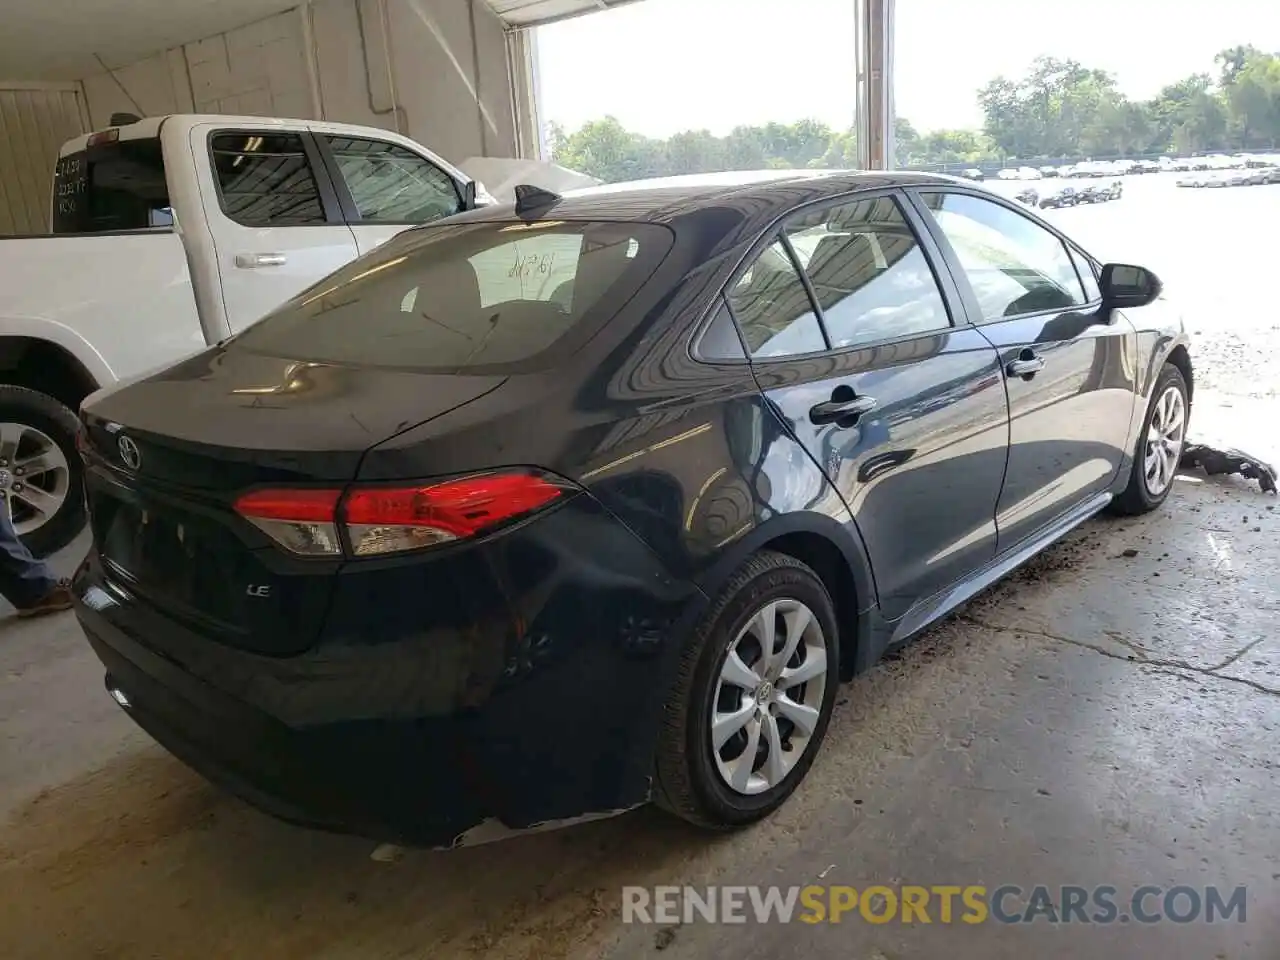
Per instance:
x=661, y=66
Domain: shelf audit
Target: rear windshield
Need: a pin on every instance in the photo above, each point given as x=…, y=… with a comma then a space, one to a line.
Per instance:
x=111, y=186
x=479, y=296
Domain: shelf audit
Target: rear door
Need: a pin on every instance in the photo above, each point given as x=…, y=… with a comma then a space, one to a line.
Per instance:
x=386, y=187
x=1068, y=365
x=274, y=216
x=852, y=338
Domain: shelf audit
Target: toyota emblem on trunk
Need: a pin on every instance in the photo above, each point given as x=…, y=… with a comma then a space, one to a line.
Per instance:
x=130, y=453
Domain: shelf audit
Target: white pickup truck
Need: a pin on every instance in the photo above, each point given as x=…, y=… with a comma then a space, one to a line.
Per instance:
x=170, y=234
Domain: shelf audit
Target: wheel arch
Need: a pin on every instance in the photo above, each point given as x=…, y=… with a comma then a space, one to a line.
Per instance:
x=1180, y=357
x=55, y=366
x=834, y=552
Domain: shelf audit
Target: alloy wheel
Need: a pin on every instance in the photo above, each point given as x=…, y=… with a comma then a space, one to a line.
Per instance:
x=1165, y=436
x=35, y=477
x=768, y=697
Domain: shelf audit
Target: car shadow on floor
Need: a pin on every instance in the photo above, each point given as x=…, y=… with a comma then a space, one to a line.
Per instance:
x=218, y=878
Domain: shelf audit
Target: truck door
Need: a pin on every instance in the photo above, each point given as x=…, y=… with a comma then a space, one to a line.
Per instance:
x=273, y=215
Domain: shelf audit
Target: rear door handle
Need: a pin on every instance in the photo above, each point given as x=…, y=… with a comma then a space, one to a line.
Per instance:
x=834, y=410
x=1026, y=366
x=251, y=261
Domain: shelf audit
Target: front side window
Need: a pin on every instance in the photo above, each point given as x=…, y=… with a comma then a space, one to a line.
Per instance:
x=265, y=179
x=1014, y=265
x=868, y=273
x=1084, y=267
x=473, y=296
x=116, y=185
x=773, y=308
x=390, y=184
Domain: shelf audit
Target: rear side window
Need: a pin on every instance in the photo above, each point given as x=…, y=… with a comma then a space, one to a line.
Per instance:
x=721, y=340
x=773, y=307
x=491, y=296
x=112, y=186
x=265, y=179
x=390, y=184
x=868, y=273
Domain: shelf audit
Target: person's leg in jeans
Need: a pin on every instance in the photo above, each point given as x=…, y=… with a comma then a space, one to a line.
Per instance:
x=26, y=582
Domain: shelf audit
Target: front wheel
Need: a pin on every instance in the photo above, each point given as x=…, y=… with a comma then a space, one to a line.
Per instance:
x=1159, y=446
x=41, y=474
x=753, y=697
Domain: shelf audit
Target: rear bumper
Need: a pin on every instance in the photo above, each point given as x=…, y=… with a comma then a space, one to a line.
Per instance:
x=396, y=782
x=553, y=717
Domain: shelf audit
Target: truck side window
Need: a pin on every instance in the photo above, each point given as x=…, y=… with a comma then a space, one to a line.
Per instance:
x=265, y=179
x=390, y=184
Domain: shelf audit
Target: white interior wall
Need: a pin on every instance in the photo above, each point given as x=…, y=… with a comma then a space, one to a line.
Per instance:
x=35, y=119
x=437, y=70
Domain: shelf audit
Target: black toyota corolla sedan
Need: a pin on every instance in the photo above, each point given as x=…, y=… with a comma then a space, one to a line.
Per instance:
x=549, y=510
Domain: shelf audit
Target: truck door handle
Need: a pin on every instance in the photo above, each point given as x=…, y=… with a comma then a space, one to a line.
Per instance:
x=834, y=410
x=1026, y=366
x=250, y=261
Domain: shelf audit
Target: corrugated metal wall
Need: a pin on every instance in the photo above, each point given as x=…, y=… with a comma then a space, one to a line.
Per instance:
x=35, y=120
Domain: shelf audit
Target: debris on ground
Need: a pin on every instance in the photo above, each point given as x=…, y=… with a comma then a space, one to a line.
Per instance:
x=1216, y=461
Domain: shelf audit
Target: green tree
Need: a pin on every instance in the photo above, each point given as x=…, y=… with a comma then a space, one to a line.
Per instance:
x=1251, y=87
x=696, y=151
x=1060, y=109
x=607, y=150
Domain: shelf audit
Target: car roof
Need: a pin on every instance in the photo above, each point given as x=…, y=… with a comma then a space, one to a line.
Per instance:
x=756, y=192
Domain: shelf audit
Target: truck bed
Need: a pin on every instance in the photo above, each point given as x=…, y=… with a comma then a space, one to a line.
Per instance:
x=76, y=290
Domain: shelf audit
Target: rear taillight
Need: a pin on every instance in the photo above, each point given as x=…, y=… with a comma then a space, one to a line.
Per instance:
x=301, y=520
x=380, y=520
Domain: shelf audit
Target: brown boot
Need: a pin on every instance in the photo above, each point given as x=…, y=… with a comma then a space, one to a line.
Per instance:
x=55, y=601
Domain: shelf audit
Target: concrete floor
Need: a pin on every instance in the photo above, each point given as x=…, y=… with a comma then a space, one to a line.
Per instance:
x=1097, y=719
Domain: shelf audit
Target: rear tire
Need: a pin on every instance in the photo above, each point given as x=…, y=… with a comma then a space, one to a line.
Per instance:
x=787, y=705
x=1146, y=489
x=46, y=505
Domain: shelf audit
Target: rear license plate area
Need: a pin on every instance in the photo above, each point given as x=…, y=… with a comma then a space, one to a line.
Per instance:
x=165, y=555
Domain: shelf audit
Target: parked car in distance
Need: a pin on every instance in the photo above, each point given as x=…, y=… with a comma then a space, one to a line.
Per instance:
x=1048, y=171
x=973, y=173
x=1094, y=193
x=266, y=207
x=1092, y=168
x=1062, y=197
x=608, y=493
x=1028, y=195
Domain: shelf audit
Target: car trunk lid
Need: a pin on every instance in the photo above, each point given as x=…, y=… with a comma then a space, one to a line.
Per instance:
x=168, y=456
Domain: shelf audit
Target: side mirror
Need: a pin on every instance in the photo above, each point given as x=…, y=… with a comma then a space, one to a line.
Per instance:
x=469, y=195
x=1124, y=285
